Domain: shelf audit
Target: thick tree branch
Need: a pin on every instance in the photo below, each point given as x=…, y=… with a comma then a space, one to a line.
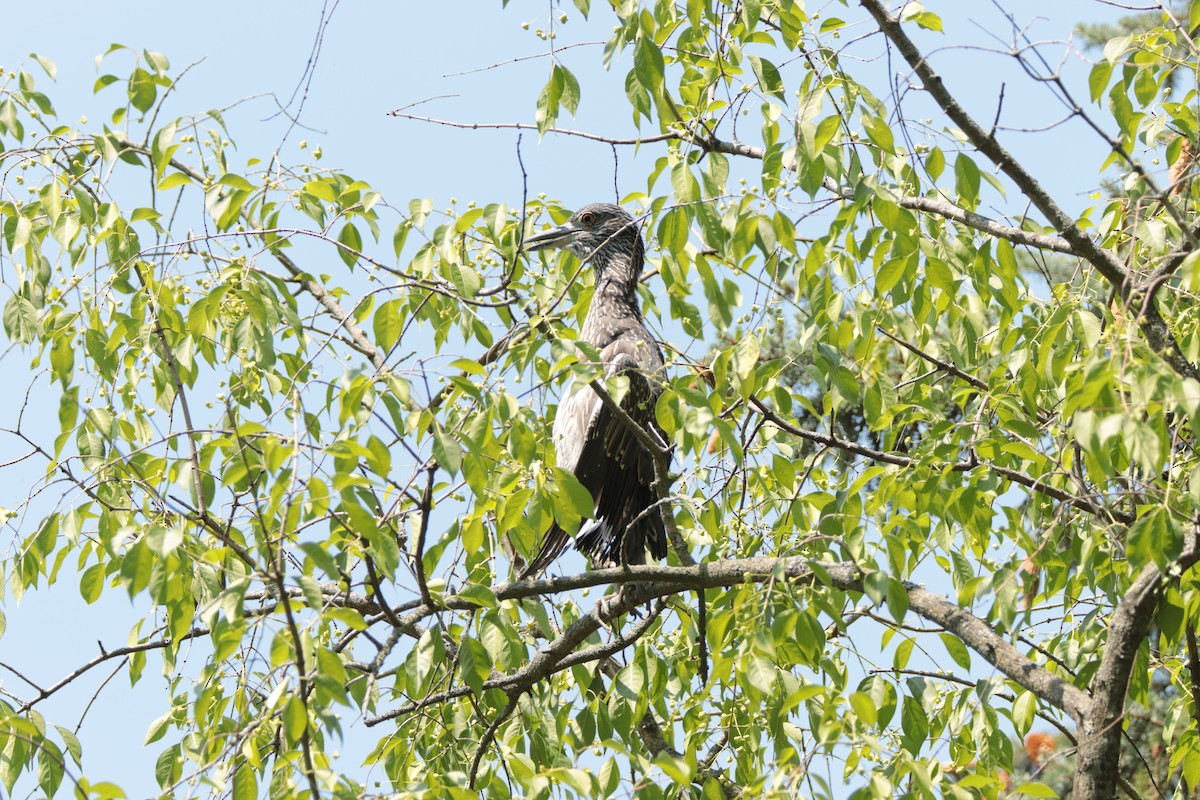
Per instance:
x=1104, y=261
x=648, y=582
x=983, y=639
x=1099, y=754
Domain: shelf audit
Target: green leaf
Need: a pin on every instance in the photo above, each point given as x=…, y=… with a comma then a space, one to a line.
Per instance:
x=940, y=275
x=935, y=162
x=1098, y=79
x=168, y=766
x=91, y=583
x=890, y=272
x=47, y=65
x=295, y=718
x=760, y=674
x=474, y=663
x=158, y=728
x=687, y=188
x=321, y=190
x=467, y=219
x=173, y=181
x=879, y=133
x=235, y=181
x=157, y=61
x=673, y=230
x=966, y=180
x=897, y=599
x=245, y=783
x=142, y=90
x=648, y=65
x=1145, y=86
x=143, y=214
x=352, y=239
x=751, y=13
x=875, y=584
x=957, y=650
x=1117, y=47
x=926, y=19
x=50, y=768
x=1024, y=709
x=388, y=323
x=479, y=594
x=745, y=356
x=136, y=568
x=569, y=95
x=466, y=280
x=72, y=743
x=447, y=451
x=769, y=80
x=548, y=102
x=573, y=493
x=824, y=133
x=915, y=725
x=1154, y=537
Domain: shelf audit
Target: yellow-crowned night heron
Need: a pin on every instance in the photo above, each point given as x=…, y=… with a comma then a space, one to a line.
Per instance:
x=600, y=449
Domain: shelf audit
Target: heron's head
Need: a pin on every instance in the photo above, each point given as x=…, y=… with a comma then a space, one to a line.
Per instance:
x=596, y=232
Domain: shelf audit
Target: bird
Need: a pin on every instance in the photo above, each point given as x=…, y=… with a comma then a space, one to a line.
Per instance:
x=590, y=440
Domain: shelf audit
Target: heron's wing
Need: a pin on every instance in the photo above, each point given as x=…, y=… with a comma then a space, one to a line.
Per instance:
x=575, y=418
x=607, y=458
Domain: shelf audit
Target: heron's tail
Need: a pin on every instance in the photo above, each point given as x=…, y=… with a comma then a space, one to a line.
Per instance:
x=553, y=543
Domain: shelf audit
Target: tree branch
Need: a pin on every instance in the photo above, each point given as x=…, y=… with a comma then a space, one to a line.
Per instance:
x=419, y=555
x=1153, y=326
x=945, y=366
x=710, y=143
x=361, y=341
x=983, y=639
x=954, y=213
x=1099, y=754
x=645, y=582
x=895, y=459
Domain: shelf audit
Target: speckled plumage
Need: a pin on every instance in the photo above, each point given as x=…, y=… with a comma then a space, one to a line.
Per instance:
x=590, y=441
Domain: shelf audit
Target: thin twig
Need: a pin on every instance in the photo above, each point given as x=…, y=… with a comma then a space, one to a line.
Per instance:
x=419, y=555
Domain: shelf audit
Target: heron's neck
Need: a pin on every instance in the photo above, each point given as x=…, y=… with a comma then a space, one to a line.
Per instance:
x=617, y=271
x=616, y=283
x=616, y=288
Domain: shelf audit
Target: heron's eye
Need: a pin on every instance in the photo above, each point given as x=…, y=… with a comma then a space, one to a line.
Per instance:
x=587, y=218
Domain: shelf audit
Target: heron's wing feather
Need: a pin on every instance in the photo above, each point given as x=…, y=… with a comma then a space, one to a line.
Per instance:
x=571, y=427
x=614, y=465
x=607, y=458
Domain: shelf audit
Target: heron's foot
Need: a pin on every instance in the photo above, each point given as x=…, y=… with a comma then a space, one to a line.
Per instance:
x=623, y=596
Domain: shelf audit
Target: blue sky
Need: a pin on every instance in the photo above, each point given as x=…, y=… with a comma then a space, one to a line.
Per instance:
x=375, y=57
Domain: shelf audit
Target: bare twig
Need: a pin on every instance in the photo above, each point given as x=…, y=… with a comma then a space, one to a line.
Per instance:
x=419, y=555
x=954, y=213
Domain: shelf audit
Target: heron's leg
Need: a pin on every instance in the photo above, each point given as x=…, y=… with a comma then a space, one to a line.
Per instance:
x=633, y=552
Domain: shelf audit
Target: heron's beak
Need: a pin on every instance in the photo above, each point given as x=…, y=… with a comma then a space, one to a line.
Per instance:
x=554, y=238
